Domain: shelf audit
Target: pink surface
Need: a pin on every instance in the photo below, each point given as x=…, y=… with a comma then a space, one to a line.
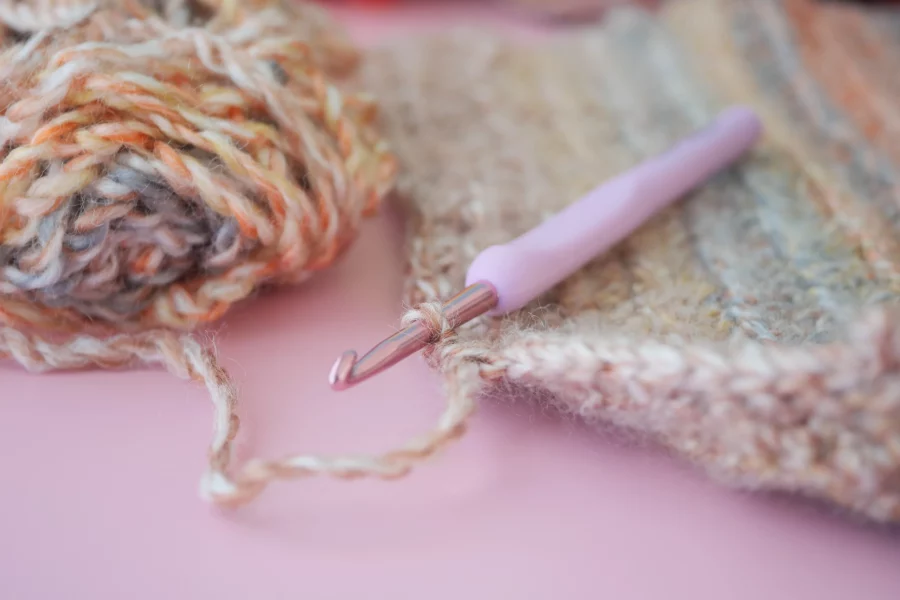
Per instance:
x=101, y=469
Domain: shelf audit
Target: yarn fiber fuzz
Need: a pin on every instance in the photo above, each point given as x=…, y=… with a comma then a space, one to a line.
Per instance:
x=752, y=328
x=161, y=162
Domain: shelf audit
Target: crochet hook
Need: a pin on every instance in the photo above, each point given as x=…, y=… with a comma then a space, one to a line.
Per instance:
x=506, y=277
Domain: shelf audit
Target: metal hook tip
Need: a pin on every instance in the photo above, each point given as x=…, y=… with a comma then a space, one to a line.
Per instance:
x=339, y=377
x=349, y=369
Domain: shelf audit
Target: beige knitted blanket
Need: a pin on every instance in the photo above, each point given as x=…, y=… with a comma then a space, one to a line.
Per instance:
x=751, y=329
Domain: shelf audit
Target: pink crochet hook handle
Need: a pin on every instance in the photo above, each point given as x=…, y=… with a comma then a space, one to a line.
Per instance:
x=528, y=266
x=506, y=277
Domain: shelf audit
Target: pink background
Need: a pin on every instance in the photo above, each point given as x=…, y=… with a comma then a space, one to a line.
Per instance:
x=100, y=476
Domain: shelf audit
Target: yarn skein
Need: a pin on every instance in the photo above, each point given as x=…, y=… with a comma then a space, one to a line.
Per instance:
x=160, y=162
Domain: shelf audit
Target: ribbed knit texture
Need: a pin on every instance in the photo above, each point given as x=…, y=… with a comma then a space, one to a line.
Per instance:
x=752, y=328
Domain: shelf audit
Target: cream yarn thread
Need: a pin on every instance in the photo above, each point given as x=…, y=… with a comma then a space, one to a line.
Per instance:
x=159, y=165
x=185, y=358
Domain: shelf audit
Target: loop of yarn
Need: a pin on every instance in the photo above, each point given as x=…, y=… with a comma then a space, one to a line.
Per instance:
x=431, y=315
x=160, y=161
x=445, y=352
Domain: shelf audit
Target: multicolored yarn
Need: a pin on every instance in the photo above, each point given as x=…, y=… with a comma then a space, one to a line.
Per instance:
x=161, y=162
x=752, y=329
x=154, y=175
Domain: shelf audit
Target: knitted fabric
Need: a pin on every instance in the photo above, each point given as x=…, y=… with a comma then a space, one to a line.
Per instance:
x=570, y=9
x=752, y=328
x=162, y=161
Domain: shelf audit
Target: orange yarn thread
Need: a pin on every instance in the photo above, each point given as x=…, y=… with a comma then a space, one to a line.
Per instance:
x=158, y=165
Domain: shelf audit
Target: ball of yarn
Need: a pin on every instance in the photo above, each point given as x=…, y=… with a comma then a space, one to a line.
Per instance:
x=160, y=161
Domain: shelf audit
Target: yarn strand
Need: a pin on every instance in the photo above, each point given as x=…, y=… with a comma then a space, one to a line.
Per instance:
x=184, y=357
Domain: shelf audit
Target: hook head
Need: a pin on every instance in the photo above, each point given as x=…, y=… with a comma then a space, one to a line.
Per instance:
x=339, y=377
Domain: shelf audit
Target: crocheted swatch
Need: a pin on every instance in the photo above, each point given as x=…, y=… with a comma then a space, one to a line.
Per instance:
x=752, y=328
